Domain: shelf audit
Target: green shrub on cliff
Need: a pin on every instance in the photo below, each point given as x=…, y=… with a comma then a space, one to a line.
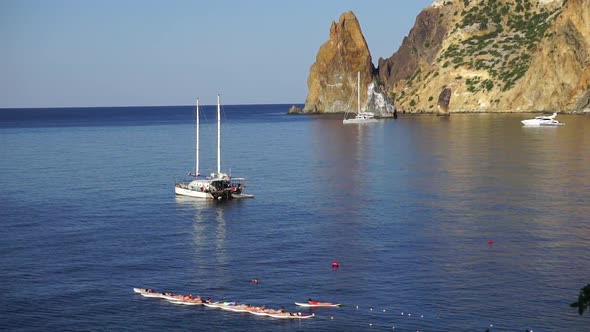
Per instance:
x=510, y=32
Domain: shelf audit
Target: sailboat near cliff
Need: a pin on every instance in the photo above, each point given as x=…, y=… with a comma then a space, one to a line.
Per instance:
x=218, y=185
x=361, y=117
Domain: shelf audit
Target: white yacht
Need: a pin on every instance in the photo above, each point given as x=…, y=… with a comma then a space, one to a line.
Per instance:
x=361, y=117
x=218, y=185
x=545, y=120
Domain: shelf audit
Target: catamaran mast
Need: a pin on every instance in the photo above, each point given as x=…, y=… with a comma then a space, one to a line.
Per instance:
x=358, y=84
x=218, y=136
x=197, y=143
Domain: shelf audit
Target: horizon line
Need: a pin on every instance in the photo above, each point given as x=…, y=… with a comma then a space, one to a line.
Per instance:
x=130, y=106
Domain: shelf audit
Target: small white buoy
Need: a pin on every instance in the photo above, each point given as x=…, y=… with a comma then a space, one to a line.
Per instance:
x=421, y=316
x=402, y=313
x=409, y=315
x=332, y=317
x=371, y=309
x=384, y=310
x=357, y=306
x=370, y=324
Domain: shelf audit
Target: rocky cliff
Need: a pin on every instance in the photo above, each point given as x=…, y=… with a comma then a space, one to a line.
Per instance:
x=332, y=80
x=494, y=55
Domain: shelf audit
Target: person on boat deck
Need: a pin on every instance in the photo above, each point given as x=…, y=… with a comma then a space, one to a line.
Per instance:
x=310, y=301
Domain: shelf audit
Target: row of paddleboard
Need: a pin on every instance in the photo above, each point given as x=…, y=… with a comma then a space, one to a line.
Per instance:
x=228, y=306
x=258, y=311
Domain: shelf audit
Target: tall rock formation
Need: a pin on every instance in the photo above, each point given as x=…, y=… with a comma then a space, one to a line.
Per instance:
x=494, y=55
x=332, y=80
x=419, y=48
x=444, y=99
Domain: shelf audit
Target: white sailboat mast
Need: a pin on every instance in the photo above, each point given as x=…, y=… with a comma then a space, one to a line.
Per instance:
x=218, y=135
x=197, y=143
x=358, y=83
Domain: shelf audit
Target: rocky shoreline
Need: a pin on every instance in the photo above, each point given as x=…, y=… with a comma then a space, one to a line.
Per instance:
x=530, y=57
x=295, y=110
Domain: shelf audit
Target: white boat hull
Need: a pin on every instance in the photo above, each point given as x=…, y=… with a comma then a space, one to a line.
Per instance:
x=204, y=195
x=535, y=123
x=349, y=121
x=192, y=193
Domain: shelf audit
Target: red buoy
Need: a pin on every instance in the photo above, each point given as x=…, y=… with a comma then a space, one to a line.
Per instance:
x=490, y=242
x=335, y=265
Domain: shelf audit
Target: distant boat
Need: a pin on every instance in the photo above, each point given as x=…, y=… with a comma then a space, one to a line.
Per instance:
x=218, y=185
x=361, y=117
x=545, y=120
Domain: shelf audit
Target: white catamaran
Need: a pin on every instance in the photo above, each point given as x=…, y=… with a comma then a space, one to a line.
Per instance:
x=361, y=117
x=218, y=185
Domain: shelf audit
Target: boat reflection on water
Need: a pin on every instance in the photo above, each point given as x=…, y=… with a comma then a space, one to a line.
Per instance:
x=203, y=213
x=346, y=151
x=343, y=155
x=191, y=202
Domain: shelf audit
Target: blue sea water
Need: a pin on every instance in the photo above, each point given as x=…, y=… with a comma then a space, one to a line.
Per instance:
x=406, y=206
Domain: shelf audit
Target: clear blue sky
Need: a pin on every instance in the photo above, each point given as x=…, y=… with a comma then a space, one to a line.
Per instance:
x=63, y=53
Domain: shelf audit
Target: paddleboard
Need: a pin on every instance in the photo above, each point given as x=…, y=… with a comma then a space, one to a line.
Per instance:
x=236, y=308
x=171, y=298
x=184, y=302
x=287, y=316
x=258, y=313
x=318, y=305
x=229, y=307
x=218, y=304
x=144, y=292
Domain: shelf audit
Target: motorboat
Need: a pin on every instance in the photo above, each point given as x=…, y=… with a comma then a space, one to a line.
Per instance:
x=544, y=120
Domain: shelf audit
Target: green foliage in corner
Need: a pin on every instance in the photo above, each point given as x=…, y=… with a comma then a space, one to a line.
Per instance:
x=583, y=302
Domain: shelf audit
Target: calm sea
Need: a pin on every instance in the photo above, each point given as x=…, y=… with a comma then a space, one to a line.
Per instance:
x=407, y=207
